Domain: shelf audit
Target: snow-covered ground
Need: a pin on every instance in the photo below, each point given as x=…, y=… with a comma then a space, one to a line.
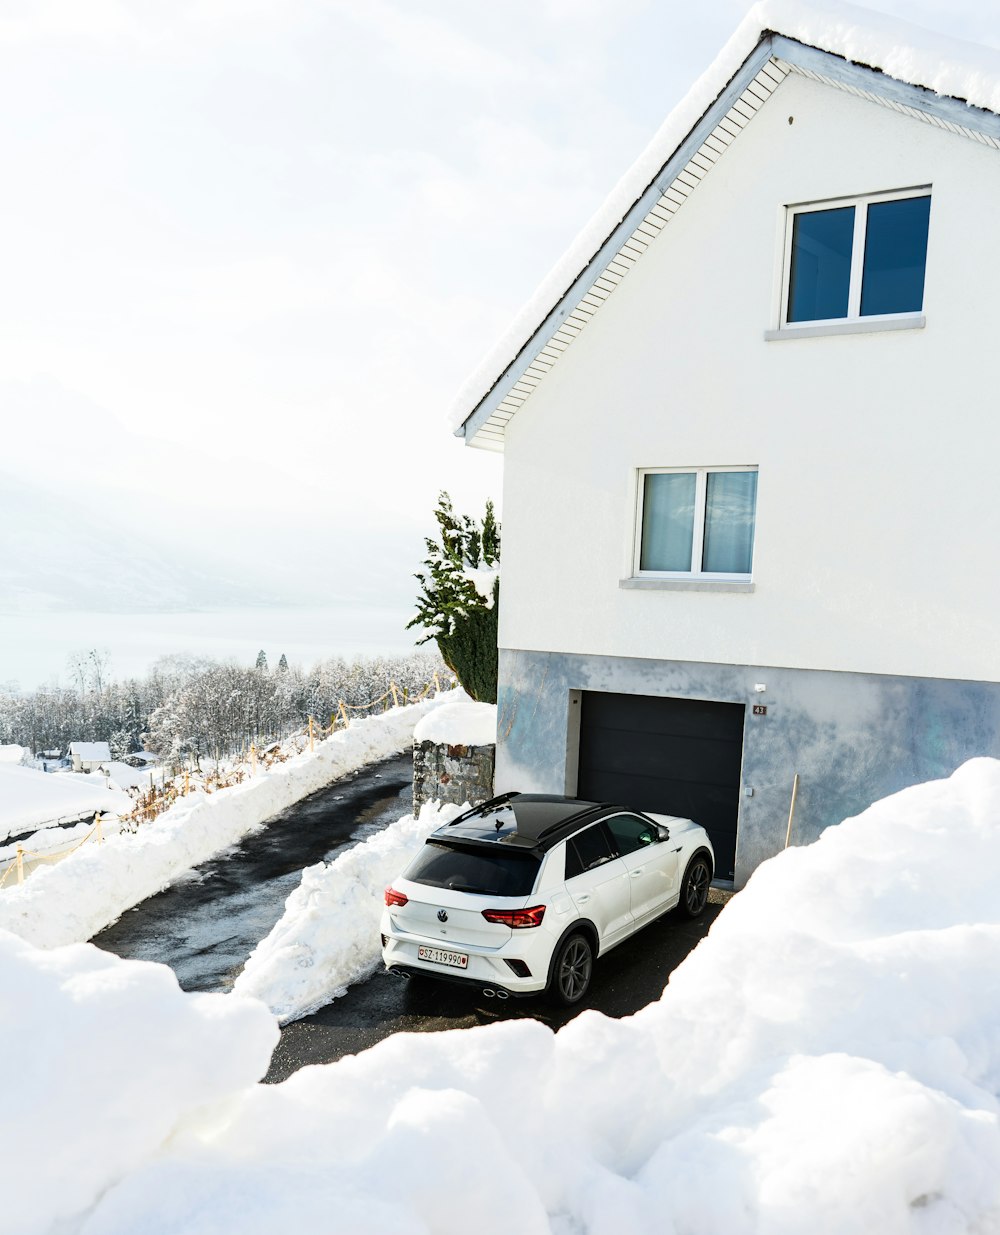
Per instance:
x=93, y=887
x=328, y=936
x=826, y=1061
x=29, y=798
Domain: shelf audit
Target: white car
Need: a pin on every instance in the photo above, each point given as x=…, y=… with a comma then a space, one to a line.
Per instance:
x=521, y=894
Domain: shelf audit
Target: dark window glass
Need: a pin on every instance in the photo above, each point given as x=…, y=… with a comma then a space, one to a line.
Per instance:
x=895, y=256
x=588, y=850
x=730, y=509
x=629, y=833
x=820, y=277
x=503, y=873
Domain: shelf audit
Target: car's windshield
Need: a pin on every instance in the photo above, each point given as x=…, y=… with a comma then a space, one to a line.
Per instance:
x=474, y=869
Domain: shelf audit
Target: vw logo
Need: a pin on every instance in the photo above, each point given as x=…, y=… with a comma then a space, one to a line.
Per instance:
x=442, y=916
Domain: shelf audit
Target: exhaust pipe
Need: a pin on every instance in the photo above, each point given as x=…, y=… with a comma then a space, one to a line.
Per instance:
x=501, y=994
x=489, y=992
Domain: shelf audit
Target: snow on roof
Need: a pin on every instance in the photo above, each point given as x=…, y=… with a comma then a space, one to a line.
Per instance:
x=29, y=798
x=11, y=753
x=908, y=53
x=90, y=750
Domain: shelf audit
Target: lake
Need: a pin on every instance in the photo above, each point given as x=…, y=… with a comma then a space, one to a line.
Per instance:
x=35, y=647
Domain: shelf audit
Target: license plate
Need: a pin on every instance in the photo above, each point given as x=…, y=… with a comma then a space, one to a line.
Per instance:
x=440, y=956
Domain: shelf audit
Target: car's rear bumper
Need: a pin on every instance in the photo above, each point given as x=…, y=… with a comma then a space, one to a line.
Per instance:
x=487, y=969
x=459, y=979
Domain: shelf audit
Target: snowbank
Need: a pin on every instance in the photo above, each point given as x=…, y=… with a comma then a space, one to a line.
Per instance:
x=11, y=753
x=29, y=798
x=95, y=885
x=827, y=1060
x=103, y=1058
x=460, y=724
x=328, y=936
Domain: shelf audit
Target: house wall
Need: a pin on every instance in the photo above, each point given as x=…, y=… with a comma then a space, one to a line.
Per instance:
x=876, y=522
x=852, y=738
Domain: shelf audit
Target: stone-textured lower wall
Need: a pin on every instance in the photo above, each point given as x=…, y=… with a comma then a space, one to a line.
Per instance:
x=852, y=737
x=455, y=774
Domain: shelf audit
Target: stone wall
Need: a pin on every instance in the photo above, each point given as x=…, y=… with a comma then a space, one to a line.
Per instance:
x=455, y=774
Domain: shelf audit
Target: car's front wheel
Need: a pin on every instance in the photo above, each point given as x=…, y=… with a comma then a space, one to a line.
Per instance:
x=574, y=965
x=694, y=889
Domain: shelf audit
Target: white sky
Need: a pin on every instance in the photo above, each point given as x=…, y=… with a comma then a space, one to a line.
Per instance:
x=250, y=248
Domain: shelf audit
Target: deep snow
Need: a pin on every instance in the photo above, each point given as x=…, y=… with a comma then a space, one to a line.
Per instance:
x=328, y=936
x=29, y=798
x=827, y=1060
x=71, y=901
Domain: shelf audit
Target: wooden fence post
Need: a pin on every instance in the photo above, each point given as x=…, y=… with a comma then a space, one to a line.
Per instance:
x=311, y=741
x=20, y=864
x=97, y=825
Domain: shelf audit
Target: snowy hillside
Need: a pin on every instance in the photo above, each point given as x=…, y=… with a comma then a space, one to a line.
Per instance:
x=826, y=1061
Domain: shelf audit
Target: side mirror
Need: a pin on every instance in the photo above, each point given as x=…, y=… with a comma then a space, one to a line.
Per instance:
x=664, y=831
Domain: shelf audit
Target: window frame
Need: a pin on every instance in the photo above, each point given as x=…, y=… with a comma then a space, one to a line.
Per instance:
x=860, y=202
x=698, y=534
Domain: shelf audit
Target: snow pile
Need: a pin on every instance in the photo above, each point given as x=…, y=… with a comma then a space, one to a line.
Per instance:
x=29, y=798
x=947, y=66
x=827, y=1060
x=104, y=1059
x=11, y=753
x=95, y=885
x=328, y=936
x=460, y=724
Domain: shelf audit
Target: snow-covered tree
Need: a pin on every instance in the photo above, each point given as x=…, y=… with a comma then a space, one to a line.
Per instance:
x=261, y=659
x=283, y=664
x=459, y=597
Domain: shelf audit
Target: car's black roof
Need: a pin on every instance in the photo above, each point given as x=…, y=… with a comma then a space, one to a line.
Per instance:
x=522, y=820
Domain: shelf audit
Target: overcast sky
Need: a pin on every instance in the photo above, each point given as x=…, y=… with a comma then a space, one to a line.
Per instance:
x=250, y=248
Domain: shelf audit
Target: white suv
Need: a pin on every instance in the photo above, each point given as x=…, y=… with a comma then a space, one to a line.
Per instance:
x=519, y=895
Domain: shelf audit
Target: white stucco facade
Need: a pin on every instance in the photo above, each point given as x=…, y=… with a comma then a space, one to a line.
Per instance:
x=876, y=452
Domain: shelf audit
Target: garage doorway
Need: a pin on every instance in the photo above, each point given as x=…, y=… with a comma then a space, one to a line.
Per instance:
x=675, y=756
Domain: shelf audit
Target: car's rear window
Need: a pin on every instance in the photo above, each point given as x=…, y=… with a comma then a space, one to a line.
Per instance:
x=474, y=870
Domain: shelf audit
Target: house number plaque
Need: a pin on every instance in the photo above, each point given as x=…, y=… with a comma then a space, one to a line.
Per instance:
x=760, y=709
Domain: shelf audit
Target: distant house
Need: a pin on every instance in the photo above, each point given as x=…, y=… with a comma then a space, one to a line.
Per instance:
x=88, y=756
x=750, y=447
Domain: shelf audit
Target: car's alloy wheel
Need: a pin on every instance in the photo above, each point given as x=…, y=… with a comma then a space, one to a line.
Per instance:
x=694, y=892
x=574, y=966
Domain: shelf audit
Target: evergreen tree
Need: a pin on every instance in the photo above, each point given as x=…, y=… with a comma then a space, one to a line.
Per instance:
x=283, y=664
x=459, y=598
x=261, y=660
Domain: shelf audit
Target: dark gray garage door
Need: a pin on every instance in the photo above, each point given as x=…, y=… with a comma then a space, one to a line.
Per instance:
x=675, y=756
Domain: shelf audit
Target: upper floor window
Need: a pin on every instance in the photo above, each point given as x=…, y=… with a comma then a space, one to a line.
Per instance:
x=855, y=259
x=697, y=522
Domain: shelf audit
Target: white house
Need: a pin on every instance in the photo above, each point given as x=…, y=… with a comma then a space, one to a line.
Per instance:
x=89, y=756
x=753, y=410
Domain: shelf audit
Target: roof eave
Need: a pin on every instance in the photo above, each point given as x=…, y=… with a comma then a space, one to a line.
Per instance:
x=771, y=44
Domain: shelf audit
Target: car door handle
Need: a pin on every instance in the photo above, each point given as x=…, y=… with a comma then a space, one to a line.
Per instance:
x=582, y=899
x=636, y=873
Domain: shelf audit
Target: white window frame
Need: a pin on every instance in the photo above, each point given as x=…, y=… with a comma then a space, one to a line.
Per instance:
x=860, y=204
x=701, y=475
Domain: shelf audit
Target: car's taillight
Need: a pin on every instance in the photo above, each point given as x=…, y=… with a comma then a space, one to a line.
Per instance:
x=516, y=919
x=392, y=897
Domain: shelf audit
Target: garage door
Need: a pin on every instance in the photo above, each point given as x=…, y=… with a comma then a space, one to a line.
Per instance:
x=675, y=756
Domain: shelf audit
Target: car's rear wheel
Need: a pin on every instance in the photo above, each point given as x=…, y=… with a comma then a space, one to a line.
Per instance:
x=571, y=973
x=694, y=889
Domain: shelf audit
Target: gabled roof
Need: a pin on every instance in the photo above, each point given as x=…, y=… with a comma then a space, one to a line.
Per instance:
x=91, y=751
x=938, y=80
